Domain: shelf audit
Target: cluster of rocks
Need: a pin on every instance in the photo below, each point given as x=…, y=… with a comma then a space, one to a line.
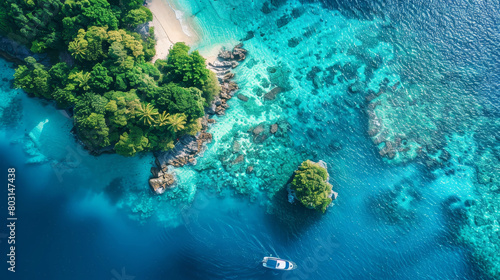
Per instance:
x=183, y=153
x=239, y=158
x=401, y=130
x=237, y=54
x=264, y=130
x=226, y=61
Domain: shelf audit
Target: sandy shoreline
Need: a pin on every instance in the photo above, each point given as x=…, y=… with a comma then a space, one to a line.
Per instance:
x=168, y=28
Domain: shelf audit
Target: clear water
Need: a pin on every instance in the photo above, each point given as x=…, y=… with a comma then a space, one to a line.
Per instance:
x=86, y=217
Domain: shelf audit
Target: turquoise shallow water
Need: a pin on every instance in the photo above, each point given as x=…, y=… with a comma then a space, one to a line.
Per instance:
x=87, y=217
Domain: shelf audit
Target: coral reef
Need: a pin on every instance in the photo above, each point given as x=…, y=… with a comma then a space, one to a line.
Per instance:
x=258, y=159
x=410, y=115
x=481, y=230
x=398, y=205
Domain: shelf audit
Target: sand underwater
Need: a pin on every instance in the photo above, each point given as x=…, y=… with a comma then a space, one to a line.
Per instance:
x=399, y=98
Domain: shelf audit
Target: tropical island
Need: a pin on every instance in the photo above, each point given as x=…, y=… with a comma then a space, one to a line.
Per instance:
x=311, y=187
x=99, y=72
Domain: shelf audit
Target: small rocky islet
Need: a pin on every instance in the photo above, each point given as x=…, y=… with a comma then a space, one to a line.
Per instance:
x=311, y=187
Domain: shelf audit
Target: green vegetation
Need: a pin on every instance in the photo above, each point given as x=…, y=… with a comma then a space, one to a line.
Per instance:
x=119, y=100
x=311, y=186
x=45, y=25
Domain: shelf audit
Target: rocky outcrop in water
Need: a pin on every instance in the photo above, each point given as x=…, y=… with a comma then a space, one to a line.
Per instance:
x=313, y=188
x=162, y=181
x=480, y=231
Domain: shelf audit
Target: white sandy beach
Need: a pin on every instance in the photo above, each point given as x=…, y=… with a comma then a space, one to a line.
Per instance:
x=168, y=28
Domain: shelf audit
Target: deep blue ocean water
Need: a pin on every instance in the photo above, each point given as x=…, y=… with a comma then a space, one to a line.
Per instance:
x=86, y=217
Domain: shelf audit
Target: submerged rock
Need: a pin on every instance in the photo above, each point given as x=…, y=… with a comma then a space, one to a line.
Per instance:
x=257, y=130
x=297, y=12
x=260, y=138
x=274, y=128
x=279, y=76
x=397, y=205
x=239, y=159
x=265, y=8
x=242, y=97
x=356, y=87
x=293, y=42
x=271, y=95
x=283, y=20
x=236, y=147
x=317, y=82
x=250, y=35
x=249, y=169
x=269, y=157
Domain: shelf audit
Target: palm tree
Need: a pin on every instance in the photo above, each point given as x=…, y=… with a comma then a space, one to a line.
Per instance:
x=146, y=113
x=176, y=122
x=83, y=79
x=162, y=119
x=78, y=48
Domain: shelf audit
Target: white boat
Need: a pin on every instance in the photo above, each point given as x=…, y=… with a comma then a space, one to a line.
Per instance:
x=277, y=263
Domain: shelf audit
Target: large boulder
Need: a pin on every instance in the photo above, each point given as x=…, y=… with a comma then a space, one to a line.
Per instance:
x=242, y=97
x=257, y=130
x=239, y=53
x=159, y=185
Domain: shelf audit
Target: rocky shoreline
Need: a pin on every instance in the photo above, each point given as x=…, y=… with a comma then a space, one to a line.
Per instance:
x=188, y=147
x=226, y=61
x=16, y=52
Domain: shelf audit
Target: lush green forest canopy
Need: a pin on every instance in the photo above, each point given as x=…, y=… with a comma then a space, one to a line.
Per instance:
x=119, y=100
x=311, y=186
